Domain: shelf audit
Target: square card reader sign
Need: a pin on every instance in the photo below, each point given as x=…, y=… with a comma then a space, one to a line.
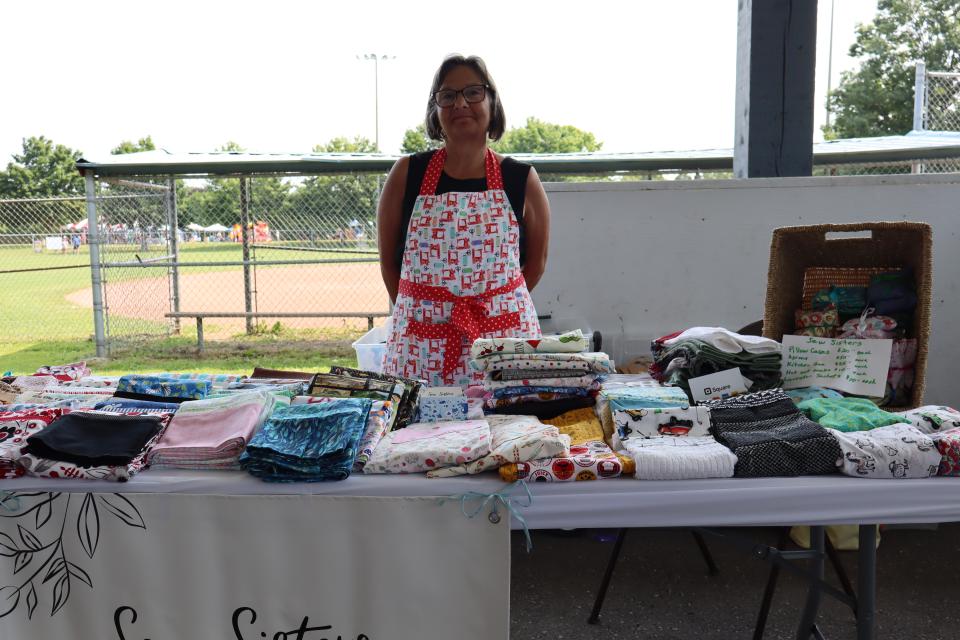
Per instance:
x=855, y=366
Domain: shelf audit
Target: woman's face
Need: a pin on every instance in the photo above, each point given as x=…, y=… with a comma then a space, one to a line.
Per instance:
x=464, y=120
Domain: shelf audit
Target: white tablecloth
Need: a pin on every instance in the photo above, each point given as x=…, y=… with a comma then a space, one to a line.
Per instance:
x=618, y=502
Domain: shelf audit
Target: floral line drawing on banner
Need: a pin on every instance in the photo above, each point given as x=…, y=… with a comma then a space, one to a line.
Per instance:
x=47, y=562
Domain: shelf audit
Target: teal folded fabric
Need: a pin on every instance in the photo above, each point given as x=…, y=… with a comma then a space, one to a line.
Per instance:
x=308, y=442
x=847, y=414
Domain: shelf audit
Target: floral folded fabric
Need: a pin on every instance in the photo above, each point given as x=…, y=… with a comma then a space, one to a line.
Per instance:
x=593, y=460
x=570, y=342
x=847, y=414
x=106, y=382
x=408, y=402
x=378, y=425
x=15, y=428
x=164, y=387
x=589, y=361
x=683, y=458
x=308, y=442
x=848, y=301
x=931, y=418
x=948, y=444
x=48, y=468
x=875, y=327
x=430, y=445
x=507, y=375
x=212, y=433
x=821, y=324
x=900, y=376
x=894, y=451
x=513, y=439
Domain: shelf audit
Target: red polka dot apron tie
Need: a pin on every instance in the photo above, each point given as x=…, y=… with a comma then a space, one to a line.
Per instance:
x=460, y=280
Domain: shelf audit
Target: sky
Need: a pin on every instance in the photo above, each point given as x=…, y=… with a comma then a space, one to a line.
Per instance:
x=282, y=76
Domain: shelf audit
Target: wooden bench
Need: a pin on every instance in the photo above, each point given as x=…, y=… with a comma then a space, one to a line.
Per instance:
x=200, y=315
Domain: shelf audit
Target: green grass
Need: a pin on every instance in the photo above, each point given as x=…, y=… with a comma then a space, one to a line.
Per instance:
x=34, y=304
x=239, y=355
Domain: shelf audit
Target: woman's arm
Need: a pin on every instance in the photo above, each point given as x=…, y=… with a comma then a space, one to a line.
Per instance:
x=389, y=221
x=536, y=224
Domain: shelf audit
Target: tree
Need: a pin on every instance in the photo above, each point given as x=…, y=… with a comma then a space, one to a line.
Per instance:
x=143, y=144
x=877, y=98
x=44, y=169
x=332, y=202
x=416, y=140
x=538, y=136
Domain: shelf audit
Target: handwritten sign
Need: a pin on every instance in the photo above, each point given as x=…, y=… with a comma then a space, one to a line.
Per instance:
x=855, y=366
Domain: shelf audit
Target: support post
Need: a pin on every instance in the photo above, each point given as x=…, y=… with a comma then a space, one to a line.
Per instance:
x=96, y=279
x=867, y=582
x=808, y=618
x=919, y=96
x=173, y=224
x=245, y=238
x=776, y=60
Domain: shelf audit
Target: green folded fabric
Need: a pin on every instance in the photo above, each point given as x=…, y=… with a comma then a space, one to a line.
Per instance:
x=847, y=414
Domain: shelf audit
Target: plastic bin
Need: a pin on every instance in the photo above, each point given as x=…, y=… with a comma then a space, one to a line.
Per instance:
x=370, y=348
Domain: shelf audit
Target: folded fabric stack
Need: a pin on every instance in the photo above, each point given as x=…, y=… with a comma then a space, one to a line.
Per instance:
x=513, y=439
x=308, y=442
x=590, y=457
x=162, y=389
x=211, y=434
x=627, y=405
x=680, y=458
x=15, y=428
x=541, y=377
x=430, y=445
x=105, y=382
x=128, y=406
x=700, y=351
x=407, y=408
x=380, y=418
x=895, y=451
x=333, y=385
x=65, y=372
x=93, y=445
x=847, y=414
x=948, y=445
x=771, y=437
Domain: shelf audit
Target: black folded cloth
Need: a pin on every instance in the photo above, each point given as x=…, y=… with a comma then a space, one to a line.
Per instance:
x=771, y=437
x=93, y=439
x=546, y=410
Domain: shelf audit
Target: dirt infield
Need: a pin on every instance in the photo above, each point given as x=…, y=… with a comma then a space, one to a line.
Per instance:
x=354, y=287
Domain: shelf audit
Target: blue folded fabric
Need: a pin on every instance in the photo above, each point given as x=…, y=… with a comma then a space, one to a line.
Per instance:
x=308, y=442
x=164, y=387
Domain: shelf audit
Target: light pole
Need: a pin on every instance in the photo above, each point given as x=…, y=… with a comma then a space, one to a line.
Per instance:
x=376, y=92
x=830, y=63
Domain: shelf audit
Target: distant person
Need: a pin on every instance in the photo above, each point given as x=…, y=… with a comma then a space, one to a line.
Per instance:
x=75, y=240
x=459, y=267
x=64, y=243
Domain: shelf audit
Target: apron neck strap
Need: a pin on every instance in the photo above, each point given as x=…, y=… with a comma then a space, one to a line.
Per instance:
x=431, y=178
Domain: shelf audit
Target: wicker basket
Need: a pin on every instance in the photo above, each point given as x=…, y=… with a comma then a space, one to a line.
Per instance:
x=803, y=260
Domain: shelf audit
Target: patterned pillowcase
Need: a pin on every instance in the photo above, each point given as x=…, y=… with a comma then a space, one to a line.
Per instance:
x=820, y=324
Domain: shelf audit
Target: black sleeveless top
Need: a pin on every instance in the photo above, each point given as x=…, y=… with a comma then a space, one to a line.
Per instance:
x=514, y=184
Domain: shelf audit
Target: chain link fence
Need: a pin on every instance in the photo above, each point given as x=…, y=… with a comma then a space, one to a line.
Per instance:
x=295, y=256
x=942, y=112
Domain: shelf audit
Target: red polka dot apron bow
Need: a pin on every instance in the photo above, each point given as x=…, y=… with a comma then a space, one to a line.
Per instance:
x=460, y=280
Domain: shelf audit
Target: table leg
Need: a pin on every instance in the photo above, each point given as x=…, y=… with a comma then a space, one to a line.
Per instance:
x=809, y=617
x=607, y=575
x=867, y=583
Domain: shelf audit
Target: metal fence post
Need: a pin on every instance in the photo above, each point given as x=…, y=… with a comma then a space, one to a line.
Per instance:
x=96, y=281
x=173, y=225
x=245, y=237
x=919, y=96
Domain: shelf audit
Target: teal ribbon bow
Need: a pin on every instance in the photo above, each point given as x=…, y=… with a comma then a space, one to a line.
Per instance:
x=473, y=503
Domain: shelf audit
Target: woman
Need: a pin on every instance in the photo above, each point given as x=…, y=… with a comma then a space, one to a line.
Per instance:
x=462, y=234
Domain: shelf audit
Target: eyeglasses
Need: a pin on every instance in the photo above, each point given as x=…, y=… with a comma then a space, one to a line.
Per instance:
x=472, y=94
